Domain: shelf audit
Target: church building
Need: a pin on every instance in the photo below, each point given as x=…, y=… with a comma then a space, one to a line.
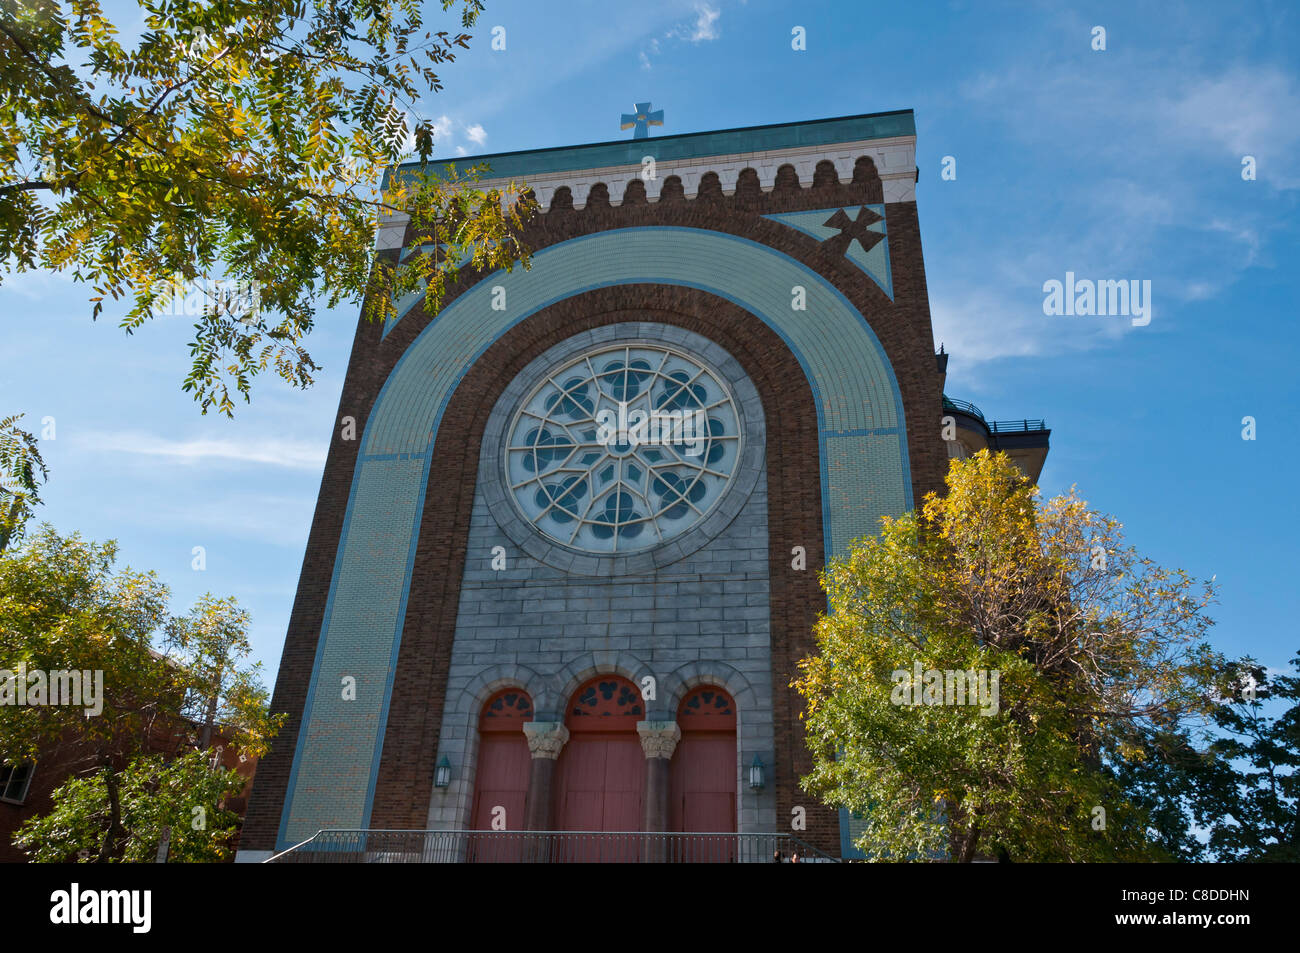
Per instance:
x=564, y=563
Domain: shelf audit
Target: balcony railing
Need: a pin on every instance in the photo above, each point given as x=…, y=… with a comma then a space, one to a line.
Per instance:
x=1016, y=426
x=965, y=406
x=994, y=426
x=553, y=847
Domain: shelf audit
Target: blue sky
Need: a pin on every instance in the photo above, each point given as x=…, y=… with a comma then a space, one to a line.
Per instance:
x=1122, y=164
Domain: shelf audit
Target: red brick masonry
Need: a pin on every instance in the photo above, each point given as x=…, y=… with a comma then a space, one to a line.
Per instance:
x=794, y=486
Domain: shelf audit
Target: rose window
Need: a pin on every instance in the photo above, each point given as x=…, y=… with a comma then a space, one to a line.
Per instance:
x=622, y=448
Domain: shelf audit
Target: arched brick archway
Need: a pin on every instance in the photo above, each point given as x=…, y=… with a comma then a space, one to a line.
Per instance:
x=794, y=518
x=409, y=737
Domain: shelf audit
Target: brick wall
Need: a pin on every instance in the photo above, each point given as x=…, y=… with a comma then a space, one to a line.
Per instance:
x=793, y=483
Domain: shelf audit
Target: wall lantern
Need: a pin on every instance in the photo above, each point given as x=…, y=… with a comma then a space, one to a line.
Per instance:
x=756, y=774
x=442, y=773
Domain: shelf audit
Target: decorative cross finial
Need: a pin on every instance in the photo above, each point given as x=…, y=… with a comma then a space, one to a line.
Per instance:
x=642, y=119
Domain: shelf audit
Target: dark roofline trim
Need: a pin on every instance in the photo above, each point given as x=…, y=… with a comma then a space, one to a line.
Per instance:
x=689, y=145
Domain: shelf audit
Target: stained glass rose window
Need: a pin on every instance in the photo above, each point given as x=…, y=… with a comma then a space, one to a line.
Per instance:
x=622, y=448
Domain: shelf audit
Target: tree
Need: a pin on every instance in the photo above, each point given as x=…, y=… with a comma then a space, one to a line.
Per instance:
x=1253, y=812
x=22, y=471
x=1232, y=793
x=1163, y=782
x=151, y=684
x=1068, y=640
x=178, y=800
x=237, y=145
x=212, y=641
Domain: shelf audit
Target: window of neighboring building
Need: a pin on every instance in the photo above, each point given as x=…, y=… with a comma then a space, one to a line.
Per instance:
x=14, y=782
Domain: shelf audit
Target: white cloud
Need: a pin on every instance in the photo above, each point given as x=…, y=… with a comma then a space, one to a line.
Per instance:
x=978, y=324
x=1242, y=234
x=37, y=284
x=442, y=127
x=703, y=29
x=292, y=454
x=652, y=48
x=1244, y=111
x=1115, y=185
x=611, y=37
x=278, y=520
x=1241, y=109
x=446, y=130
x=706, y=17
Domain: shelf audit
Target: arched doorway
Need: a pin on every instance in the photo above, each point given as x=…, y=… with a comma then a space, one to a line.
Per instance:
x=703, y=776
x=501, y=780
x=601, y=771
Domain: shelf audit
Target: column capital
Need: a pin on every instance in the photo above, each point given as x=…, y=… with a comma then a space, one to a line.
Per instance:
x=658, y=738
x=545, y=738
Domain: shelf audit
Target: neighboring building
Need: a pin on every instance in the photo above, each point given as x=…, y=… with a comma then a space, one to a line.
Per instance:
x=507, y=617
x=26, y=789
x=1024, y=441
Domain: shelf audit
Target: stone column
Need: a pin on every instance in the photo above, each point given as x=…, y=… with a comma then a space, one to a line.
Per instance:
x=658, y=741
x=545, y=741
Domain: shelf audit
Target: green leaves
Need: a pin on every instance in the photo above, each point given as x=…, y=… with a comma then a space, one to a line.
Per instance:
x=986, y=582
x=181, y=800
x=242, y=141
x=22, y=471
x=1253, y=814
x=457, y=226
x=170, y=684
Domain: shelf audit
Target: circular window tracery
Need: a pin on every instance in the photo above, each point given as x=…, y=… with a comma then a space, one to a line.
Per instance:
x=622, y=448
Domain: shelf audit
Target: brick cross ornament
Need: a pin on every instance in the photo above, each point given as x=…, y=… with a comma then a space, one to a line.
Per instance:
x=853, y=229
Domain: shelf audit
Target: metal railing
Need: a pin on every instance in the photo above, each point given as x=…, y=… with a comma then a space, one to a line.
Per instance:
x=545, y=847
x=994, y=426
x=965, y=406
x=1016, y=426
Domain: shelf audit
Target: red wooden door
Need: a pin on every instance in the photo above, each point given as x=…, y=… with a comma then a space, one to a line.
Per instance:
x=704, y=783
x=603, y=784
x=601, y=774
x=503, y=768
x=703, y=779
x=501, y=780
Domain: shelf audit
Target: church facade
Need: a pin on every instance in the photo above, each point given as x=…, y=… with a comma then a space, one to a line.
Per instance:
x=561, y=575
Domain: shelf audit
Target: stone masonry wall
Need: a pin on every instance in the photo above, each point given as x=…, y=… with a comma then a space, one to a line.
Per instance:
x=701, y=618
